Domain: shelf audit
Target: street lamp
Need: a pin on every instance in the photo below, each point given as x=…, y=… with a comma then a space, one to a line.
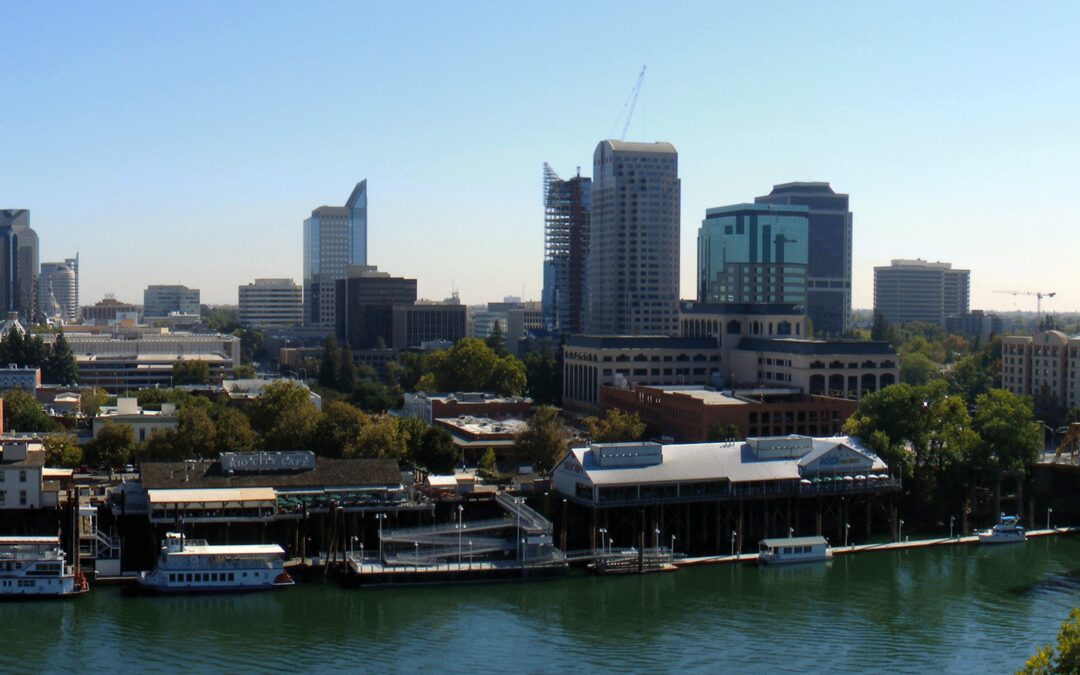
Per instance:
x=380, y=517
x=657, y=533
x=672, y=544
x=1048, y=512
x=952, y=519
x=900, y=531
x=460, y=510
x=790, y=532
x=733, y=543
x=847, y=526
x=603, y=541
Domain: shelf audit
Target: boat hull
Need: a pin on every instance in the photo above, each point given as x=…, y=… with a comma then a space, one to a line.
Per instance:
x=792, y=560
x=991, y=539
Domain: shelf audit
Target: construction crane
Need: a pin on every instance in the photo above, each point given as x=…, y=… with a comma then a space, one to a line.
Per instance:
x=1068, y=442
x=631, y=103
x=1039, y=295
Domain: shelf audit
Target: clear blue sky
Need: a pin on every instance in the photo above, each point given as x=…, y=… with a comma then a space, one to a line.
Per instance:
x=186, y=142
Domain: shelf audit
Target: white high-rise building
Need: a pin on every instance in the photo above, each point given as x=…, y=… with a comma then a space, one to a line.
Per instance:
x=334, y=238
x=58, y=291
x=270, y=303
x=634, y=241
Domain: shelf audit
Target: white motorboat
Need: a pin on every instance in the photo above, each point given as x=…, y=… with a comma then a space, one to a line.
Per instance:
x=794, y=550
x=1008, y=531
x=36, y=567
x=192, y=566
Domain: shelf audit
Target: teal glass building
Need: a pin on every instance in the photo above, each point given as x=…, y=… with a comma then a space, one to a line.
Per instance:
x=753, y=253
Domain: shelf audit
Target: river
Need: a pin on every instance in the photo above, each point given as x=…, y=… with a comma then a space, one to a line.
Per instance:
x=953, y=609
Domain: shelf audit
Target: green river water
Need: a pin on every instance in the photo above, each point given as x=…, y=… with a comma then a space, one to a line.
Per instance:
x=952, y=609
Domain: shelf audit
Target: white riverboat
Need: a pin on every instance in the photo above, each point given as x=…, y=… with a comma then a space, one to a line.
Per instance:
x=794, y=550
x=1008, y=531
x=36, y=567
x=192, y=566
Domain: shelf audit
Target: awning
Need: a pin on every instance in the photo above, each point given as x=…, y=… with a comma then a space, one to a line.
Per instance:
x=212, y=496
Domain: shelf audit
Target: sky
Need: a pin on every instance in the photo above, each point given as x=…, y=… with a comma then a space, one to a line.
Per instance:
x=186, y=142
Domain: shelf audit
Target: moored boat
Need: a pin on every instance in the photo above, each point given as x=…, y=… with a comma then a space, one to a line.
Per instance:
x=194, y=566
x=1008, y=531
x=36, y=567
x=794, y=550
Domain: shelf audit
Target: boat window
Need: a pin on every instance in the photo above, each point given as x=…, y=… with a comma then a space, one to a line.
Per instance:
x=189, y=578
x=231, y=576
x=787, y=549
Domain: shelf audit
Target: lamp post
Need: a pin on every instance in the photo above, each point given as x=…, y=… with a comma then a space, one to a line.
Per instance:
x=1048, y=513
x=900, y=531
x=416, y=557
x=847, y=527
x=603, y=541
x=790, y=532
x=657, y=533
x=672, y=544
x=380, y=517
x=461, y=526
x=952, y=520
x=733, y=543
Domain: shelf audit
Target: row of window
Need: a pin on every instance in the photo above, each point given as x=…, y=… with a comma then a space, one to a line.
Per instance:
x=22, y=476
x=200, y=577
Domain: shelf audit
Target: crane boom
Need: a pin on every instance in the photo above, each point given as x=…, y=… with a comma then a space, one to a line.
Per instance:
x=1038, y=295
x=632, y=103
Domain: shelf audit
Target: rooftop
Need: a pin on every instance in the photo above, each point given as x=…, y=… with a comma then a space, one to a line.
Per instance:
x=639, y=342
x=818, y=347
x=634, y=146
x=327, y=472
x=738, y=308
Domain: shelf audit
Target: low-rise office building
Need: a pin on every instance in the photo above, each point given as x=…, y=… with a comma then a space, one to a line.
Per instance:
x=143, y=423
x=271, y=303
x=429, y=407
x=20, y=377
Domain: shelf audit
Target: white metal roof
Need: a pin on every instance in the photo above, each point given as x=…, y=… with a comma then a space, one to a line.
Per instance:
x=212, y=495
x=238, y=549
x=7, y=541
x=690, y=462
x=795, y=541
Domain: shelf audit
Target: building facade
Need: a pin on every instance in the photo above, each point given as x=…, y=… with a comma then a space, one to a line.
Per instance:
x=753, y=253
x=417, y=323
x=160, y=301
x=917, y=290
x=271, y=303
x=365, y=306
x=633, y=269
x=335, y=237
x=58, y=291
x=18, y=263
x=1044, y=366
x=109, y=310
x=829, y=228
x=567, y=208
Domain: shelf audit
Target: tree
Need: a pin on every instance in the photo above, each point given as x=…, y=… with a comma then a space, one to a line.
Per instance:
x=330, y=363
x=284, y=416
x=881, y=330
x=12, y=349
x=412, y=431
x=507, y=377
x=346, y=372
x=724, y=432
x=338, y=431
x=467, y=366
x=437, y=452
x=488, y=465
x=1066, y=659
x=113, y=446
x=195, y=433
x=380, y=438
x=543, y=376
x=62, y=450
x=243, y=372
x=969, y=377
x=59, y=363
x=22, y=412
x=615, y=426
x=91, y=400
x=1010, y=438
x=233, y=432
x=190, y=372
x=544, y=441
x=495, y=340
x=917, y=369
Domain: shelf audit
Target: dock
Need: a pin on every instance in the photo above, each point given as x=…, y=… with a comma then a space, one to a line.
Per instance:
x=866, y=548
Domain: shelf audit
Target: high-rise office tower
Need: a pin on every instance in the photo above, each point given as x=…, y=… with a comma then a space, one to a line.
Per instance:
x=334, y=238
x=163, y=300
x=18, y=263
x=916, y=290
x=634, y=239
x=753, y=253
x=828, y=281
x=58, y=290
x=566, y=251
x=271, y=303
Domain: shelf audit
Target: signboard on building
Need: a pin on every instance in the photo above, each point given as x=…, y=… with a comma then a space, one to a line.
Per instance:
x=267, y=461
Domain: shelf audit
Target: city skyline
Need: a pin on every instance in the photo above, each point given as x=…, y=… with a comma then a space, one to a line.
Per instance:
x=191, y=157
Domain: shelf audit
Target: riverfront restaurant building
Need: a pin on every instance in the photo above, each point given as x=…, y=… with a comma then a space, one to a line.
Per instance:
x=712, y=495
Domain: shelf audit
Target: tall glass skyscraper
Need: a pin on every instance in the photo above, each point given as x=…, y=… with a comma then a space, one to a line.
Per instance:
x=334, y=238
x=634, y=239
x=753, y=253
x=566, y=251
x=828, y=282
x=18, y=263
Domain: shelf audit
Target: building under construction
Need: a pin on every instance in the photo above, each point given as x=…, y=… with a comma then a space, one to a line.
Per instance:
x=566, y=250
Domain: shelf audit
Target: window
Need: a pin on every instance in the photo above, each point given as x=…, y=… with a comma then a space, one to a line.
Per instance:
x=22, y=497
x=189, y=578
x=3, y=497
x=22, y=476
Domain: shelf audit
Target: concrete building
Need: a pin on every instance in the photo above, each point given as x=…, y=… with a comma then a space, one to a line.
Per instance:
x=58, y=291
x=687, y=414
x=520, y=323
x=417, y=323
x=1045, y=366
x=754, y=253
x=916, y=290
x=335, y=237
x=365, y=306
x=162, y=300
x=634, y=239
x=110, y=310
x=18, y=377
x=429, y=407
x=22, y=468
x=18, y=263
x=271, y=303
x=975, y=324
x=118, y=364
x=829, y=228
x=725, y=346
x=143, y=423
x=567, y=207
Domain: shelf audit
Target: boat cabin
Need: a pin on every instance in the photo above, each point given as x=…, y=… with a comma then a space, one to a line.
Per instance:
x=794, y=549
